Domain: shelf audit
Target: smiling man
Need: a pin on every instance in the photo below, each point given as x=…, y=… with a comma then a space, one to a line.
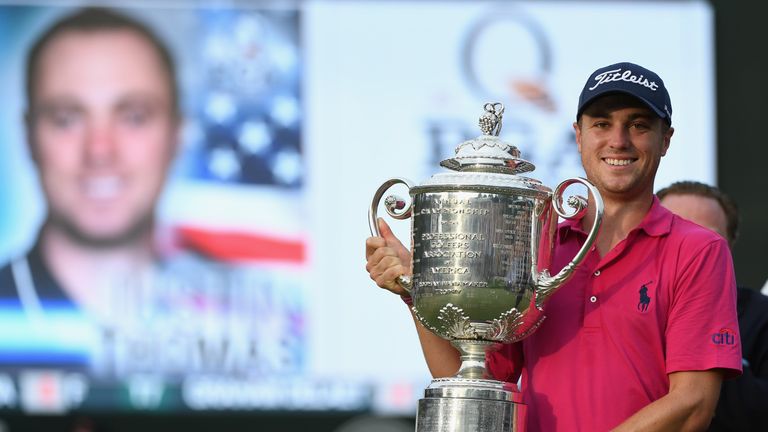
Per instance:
x=642, y=335
x=102, y=123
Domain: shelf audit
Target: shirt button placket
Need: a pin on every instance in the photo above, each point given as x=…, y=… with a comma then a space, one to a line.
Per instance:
x=593, y=299
x=592, y=317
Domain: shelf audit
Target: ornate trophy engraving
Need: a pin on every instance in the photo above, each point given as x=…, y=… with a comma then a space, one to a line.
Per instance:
x=482, y=241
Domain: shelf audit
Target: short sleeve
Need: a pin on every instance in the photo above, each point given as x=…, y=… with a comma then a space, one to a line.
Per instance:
x=702, y=331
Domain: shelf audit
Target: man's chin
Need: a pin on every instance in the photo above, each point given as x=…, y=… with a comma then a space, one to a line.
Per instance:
x=104, y=237
x=104, y=240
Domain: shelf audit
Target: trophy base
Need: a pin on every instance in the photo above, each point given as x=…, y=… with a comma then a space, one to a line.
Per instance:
x=469, y=405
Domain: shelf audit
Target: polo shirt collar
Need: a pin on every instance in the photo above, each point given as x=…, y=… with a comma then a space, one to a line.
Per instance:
x=656, y=223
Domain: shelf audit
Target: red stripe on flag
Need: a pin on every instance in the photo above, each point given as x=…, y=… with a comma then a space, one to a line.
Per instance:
x=238, y=246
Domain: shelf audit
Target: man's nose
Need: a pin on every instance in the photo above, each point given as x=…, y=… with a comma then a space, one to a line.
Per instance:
x=100, y=148
x=619, y=137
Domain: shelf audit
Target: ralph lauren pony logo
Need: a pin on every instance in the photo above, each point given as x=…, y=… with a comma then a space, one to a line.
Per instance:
x=645, y=299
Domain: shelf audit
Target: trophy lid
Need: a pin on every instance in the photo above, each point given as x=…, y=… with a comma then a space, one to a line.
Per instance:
x=488, y=153
x=486, y=163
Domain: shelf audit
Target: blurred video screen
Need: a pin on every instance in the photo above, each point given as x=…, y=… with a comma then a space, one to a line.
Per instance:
x=291, y=116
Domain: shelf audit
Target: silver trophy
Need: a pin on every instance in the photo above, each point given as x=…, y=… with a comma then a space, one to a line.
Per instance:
x=482, y=240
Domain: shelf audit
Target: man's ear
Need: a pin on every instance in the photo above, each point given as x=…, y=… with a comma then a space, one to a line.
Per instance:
x=577, y=131
x=667, y=140
x=29, y=131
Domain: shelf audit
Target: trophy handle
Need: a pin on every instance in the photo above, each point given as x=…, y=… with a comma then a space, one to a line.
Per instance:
x=547, y=285
x=396, y=208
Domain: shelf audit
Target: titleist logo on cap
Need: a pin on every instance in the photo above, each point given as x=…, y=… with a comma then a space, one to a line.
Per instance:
x=617, y=75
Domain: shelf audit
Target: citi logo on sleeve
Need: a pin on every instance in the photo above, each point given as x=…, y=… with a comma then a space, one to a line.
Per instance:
x=724, y=337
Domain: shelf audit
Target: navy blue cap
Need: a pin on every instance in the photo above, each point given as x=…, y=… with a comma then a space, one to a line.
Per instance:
x=631, y=79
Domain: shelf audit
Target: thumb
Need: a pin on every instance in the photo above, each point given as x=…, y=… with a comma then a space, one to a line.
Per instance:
x=387, y=234
x=402, y=252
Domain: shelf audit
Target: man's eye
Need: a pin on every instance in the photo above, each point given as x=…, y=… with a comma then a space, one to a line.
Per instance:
x=135, y=117
x=640, y=126
x=601, y=125
x=64, y=119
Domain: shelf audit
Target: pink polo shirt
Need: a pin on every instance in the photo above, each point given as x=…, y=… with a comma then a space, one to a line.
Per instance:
x=663, y=300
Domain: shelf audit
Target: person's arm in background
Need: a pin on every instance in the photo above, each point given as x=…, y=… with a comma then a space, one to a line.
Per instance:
x=743, y=402
x=387, y=259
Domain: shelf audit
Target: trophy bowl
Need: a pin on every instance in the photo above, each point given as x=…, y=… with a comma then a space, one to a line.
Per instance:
x=482, y=242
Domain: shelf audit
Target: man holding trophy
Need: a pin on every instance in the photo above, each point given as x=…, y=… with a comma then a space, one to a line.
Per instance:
x=640, y=335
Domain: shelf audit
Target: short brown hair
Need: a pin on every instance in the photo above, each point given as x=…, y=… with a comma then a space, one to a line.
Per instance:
x=94, y=19
x=701, y=189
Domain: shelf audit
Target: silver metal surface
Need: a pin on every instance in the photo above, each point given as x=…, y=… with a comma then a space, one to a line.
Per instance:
x=482, y=243
x=547, y=285
x=464, y=405
x=468, y=388
x=460, y=405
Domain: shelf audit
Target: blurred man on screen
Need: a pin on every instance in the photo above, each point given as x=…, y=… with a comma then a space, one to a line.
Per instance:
x=743, y=400
x=104, y=287
x=102, y=119
x=102, y=123
x=109, y=295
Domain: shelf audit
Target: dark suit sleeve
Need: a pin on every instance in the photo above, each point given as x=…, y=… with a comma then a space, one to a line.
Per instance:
x=743, y=404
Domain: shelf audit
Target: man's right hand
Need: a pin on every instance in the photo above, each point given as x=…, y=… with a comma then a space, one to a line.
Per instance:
x=387, y=259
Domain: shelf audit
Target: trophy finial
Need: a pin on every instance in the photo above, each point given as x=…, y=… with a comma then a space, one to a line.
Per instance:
x=490, y=121
x=488, y=153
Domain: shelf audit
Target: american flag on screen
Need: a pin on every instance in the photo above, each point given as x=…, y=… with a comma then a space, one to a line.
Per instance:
x=241, y=165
